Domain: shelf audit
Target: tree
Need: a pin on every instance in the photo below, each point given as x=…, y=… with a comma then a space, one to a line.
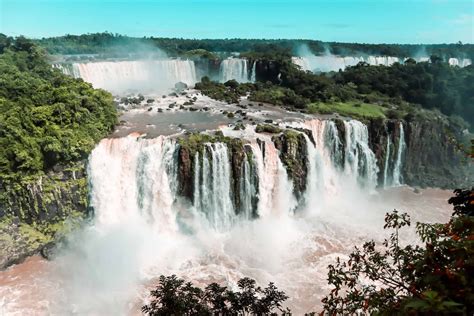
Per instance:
x=434, y=279
x=174, y=296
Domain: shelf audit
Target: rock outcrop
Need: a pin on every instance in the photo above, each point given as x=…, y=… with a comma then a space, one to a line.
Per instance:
x=35, y=213
x=433, y=158
x=294, y=155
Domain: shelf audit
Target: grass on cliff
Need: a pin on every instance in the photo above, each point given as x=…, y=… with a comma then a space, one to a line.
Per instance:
x=351, y=109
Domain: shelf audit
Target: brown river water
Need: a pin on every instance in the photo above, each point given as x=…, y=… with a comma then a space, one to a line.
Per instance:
x=291, y=251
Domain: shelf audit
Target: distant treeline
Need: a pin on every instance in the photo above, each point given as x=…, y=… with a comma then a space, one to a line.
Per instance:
x=400, y=91
x=102, y=43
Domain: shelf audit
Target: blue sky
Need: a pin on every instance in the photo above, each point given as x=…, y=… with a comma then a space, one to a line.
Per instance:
x=368, y=21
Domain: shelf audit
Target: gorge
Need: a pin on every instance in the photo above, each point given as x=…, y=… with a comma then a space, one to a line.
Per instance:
x=212, y=190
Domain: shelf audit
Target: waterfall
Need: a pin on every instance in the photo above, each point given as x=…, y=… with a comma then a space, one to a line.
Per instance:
x=360, y=161
x=275, y=189
x=386, y=180
x=247, y=189
x=460, y=62
x=142, y=75
x=131, y=178
x=234, y=68
x=214, y=188
x=327, y=148
x=397, y=174
x=329, y=62
x=253, y=77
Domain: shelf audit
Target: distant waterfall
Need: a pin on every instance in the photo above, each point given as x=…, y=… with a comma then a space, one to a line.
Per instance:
x=463, y=62
x=143, y=75
x=236, y=69
x=328, y=63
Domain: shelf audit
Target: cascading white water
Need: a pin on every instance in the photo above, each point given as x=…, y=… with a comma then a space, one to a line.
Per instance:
x=132, y=177
x=329, y=62
x=138, y=234
x=143, y=75
x=248, y=187
x=236, y=69
x=334, y=168
x=360, y=161
x=275, y=195
x=326, y=150
x=213, y=190
x=386, y=179
x=397, y=174
x=334, y=63
x=459, y=62
x=253, y=76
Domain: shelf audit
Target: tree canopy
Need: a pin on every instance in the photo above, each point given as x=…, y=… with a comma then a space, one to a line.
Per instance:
x=174, y=296
x=46, y=117
x=434, y=278
x=99, y=43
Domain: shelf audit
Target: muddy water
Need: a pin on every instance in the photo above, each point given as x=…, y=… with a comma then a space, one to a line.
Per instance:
x=292, y=252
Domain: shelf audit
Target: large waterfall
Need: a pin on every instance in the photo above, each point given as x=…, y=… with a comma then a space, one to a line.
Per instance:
x=237, y=69
x=133, y=175
x=238, y=217
x=328, y=63
x=143, y=75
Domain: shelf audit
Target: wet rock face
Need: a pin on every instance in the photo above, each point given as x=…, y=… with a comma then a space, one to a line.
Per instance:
x=193, y=147
x=294, y=155
x=379, y=133
x=433, y=159
x=185, y=172
x=54, y=196
x=237, y=157
x=267, y=71
x=35, y=214
x=338, y=153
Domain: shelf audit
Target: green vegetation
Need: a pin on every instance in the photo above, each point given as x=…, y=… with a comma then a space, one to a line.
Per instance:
x=229, y=92
x=46, y=117
x=200, y=53
x=350, y=109
x=196, y=142
x=433, y=279
x=49, y=122
x=434, y=85
x=362, y=91
x=174, y=296
x=267, y=128
x=100, y=43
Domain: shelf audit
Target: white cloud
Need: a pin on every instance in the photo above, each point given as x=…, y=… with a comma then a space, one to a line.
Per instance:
x=463, y=19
